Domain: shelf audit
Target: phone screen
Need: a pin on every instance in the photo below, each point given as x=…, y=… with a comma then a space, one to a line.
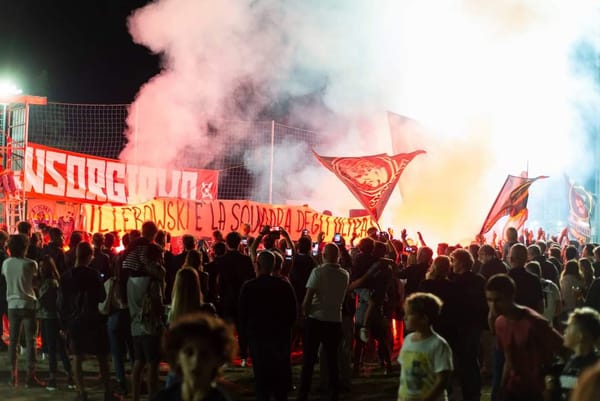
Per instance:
x=244, y=241
x=337, y=238
x=288, y=252
x=315, y=248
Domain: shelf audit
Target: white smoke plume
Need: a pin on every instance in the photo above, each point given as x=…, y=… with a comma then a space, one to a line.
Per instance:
x=493, y=82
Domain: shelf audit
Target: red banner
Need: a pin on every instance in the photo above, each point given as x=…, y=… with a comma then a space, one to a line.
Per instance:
x=58, y=174
x=371, y=179
x=511, y=201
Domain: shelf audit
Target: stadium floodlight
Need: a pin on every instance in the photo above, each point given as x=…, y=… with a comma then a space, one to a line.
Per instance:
x=8, y=89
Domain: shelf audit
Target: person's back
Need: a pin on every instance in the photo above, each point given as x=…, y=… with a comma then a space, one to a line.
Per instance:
x=19, y=274
x=492, y=267
x=302, y=266
x=81, y=291
x=235, y=269
x=529, y=289
x=329, y=282
x=101, y=264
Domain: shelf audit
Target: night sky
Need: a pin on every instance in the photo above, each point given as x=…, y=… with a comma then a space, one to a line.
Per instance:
x=73, y=50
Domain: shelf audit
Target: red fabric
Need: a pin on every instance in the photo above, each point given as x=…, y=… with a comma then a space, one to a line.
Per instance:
x=528, y=344
x=371, y=179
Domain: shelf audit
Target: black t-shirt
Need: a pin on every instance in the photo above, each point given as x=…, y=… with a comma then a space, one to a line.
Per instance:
x=234, y=270
x=101, y=263
x=414, y=275
x=301, y=268
x=529, y=288
x=492, y=267
x=381, y=281
x=472, y=301
x=447, y=291
x=80, y=292
x=173, y=393
x=573, y=368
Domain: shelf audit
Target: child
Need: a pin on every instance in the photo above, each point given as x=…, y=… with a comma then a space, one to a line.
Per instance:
x=526, y=338
x=425, y=357
x=581, y=335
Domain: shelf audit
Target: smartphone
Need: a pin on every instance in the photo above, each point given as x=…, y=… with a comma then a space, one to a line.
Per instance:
x=275, y=228
x=304, y=232
x=315, y=248
x=337, y=238
x=288, y=252
x=245, y=241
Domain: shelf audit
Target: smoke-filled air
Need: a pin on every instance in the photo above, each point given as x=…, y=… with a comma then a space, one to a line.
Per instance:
x=496, y=88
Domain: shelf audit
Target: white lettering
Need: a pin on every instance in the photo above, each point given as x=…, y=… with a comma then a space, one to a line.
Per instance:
x=57, y=189
x=189, y=185
x=96, y=178
x=75, y=185
x=34, y=180
x=115, y=182
x=173, y=183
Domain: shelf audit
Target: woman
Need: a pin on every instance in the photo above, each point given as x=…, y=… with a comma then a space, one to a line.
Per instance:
x=47, y=313
x=571, y=287
x=194, y=260
x=196, y=346
x=587, y=272
x=186, y=299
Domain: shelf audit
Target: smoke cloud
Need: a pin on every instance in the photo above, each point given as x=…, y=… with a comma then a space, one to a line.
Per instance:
x=495, y=84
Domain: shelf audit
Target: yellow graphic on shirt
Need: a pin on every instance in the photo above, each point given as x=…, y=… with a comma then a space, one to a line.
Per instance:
x=417, y=376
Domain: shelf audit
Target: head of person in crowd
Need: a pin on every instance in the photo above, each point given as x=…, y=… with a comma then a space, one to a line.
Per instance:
x=534, y=267
x=134, y=235
x=542, y=245
x=373, y=233
x=126, y=240
x=331, y=253
x=555, y=252
x=588, y=385
x=83, y=254
x=189, y=242
x=440, y=268
x=517, y=256
x=75, y=239
x=425, y=256
x=17, y=245
x=246, y=228
x=48, y=270
x=219, y=249
x=24, y=227
x=588, y=251
x=36, y=239
x=304, y=245
x=422, y=310
x=217, y=236
x=233, y=240
x=98, y=240
x=3, y=239
x=442, y=247
x=269, y=240
x=366, y=245
x=597, y=254
x=109, y=240
x=572, y=269
x=571, y=253
x=162, y=238
x=450, y=249
x=154, y=253
x=533, y=252
x=511, y=235
x=474, y=250
x=486, y=253
x=196, y=347
x=187, y=294
x=500, y=294
x=265, y=263
x=583, y=329
x=149, y=230
x=193, y=259
x=462, y=261
x=56, y=237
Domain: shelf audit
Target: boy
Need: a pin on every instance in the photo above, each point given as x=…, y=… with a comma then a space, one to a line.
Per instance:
x=581, y=335
x=526, y=338
x=425, y=357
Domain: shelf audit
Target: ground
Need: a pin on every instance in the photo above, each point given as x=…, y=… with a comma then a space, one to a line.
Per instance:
x=371, y=386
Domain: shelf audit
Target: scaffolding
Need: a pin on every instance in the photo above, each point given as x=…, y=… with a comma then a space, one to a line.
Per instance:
x=15, y=131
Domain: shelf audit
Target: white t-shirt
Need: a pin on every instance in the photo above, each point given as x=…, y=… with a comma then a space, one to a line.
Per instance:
x=420, y=362
x=551, y=299
x=19, y=274
x=330, y=282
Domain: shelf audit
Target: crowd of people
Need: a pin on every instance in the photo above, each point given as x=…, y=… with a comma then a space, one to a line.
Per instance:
x=522, y=312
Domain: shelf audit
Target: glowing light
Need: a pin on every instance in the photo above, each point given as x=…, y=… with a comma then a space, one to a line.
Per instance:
x=8, y=88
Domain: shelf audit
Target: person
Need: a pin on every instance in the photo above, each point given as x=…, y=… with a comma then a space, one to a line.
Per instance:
x=235, y=269
x=571, y=286
x=189, y=243
x=55, y=249
x=526, y=339
x=415, y=273
x=529, y=289
x=490, y=263
x=81, y=290
x=588, y=385
x=49, y=321
x=213, y=268
x=196, y=347
x=187, y=298
x=302, y=265
x=552, y=298
x=596, y=262
x=425, y=358
x=581, y=336
x=322, y=309
x=3, y=304
x=512, y=237
x=21, y=275
x=549, y=271
x=100, y=260
x=268, y=326
x=194, y=260
x=75, y=238
x=587, y=272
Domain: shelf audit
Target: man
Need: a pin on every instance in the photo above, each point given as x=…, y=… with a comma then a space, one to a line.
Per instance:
x=322, y=307
x=189, y=244
x=302, y=265
x=471, y=321
x=55, y=249
x=526, y=339
x=212, y=268
x=490, y=263
x=100, y=260
x=528, y=287
x=267, y=325
x=512, y=237
x=80, y=292
x=415, y=274
x=142, y=273
x=21, y=275
x=549, y=271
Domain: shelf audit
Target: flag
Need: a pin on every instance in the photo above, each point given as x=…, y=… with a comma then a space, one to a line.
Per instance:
x=405, y=132
x=371, y=179
x=580, y=210
x=511, y=201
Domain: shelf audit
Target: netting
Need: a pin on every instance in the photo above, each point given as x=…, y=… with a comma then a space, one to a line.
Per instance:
x=248, y=164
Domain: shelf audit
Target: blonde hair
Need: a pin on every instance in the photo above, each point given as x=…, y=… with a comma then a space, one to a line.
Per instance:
x=187, y=295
